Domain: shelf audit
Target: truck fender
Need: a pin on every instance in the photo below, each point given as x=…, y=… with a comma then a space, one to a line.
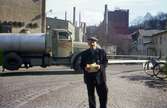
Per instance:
x=12, y=61
x=75, y=61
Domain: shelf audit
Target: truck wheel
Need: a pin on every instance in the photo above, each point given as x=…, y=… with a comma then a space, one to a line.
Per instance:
x=12, y=61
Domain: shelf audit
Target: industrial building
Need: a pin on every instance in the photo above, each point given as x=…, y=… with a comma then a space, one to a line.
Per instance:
x=160, y=44
x=77, y=32
x=113, y=31
x=143, y=43
x=116, y=23
x=22, y=15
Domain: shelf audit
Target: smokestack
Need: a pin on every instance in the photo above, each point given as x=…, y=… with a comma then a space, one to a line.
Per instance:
x=106, y=8
x=65, y=15
x=106, y=19
x=74, y=11
x=79, y=19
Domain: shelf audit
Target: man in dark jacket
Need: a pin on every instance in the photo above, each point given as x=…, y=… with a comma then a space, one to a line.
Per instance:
x=93, y=64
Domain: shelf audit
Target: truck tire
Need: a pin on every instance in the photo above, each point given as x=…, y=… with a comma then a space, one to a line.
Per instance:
x=12, y=61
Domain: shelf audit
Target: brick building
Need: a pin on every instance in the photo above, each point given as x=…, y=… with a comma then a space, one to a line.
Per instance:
x=19, y=15
x=118, y=21
x=115, y=23
x=114, y=30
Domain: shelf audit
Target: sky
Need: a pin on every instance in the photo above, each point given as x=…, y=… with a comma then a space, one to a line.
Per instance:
x=92, y=11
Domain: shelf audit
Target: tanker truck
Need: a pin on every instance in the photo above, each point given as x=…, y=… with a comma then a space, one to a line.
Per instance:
x=27, y=50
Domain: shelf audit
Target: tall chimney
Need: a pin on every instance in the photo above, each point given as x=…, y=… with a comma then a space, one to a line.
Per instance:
x=106, y=19
x=74, y=15
x=79, y=19
x=65, y=15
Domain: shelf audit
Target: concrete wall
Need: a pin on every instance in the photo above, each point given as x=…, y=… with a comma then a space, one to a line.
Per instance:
x=27, y=12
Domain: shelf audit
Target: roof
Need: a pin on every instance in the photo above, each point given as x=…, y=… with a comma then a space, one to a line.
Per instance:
x=160, y=33
x=143, y=32
x=56, y=19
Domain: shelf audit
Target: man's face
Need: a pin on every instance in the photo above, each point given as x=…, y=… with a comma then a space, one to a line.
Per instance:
x=92, y=43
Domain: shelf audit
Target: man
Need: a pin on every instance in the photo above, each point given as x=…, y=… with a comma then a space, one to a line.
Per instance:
x=93, y=63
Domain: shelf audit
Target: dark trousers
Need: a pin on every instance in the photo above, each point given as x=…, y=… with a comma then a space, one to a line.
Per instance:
x=102, y=92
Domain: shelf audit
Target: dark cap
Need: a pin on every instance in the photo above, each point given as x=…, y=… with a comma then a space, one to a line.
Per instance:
x=92, y=38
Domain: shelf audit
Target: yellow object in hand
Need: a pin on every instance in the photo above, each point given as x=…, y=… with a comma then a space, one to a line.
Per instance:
x=92, y=67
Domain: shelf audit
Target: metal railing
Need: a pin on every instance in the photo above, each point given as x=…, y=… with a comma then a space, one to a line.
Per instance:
x=130, y=57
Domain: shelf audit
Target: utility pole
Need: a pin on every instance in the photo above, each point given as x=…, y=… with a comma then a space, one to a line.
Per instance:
x=74, y=11
x=106, y=20
x=79, y=19
x=43, y=15
x=65, y=15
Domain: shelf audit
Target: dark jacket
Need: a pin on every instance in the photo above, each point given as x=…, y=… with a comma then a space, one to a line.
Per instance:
x=98, y=56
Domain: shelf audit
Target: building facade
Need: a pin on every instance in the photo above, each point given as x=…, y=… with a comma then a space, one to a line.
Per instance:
x=118, y=21
x=143, y=43
x=160, y=44
x=20, y=15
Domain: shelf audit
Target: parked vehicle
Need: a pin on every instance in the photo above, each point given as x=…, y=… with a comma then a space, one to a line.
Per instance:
x=28, y=50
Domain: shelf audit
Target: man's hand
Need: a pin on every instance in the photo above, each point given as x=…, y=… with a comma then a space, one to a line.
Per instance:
x=92, y=67
x=98, y=67
x=87, y=68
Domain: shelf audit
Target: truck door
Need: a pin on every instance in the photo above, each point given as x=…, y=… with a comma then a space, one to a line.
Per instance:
x=64, y=44
x=54, y=43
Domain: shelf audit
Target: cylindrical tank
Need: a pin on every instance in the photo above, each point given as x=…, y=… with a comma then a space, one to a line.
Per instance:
x=23, y=42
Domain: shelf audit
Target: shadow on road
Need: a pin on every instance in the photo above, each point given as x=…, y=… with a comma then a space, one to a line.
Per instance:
x=36, y=73
x=149, y=81
x=156, y=84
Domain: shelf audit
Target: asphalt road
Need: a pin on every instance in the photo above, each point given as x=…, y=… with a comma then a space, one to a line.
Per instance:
x=59, y=87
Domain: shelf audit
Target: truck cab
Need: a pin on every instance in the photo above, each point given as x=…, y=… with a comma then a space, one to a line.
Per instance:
x=61, y=43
